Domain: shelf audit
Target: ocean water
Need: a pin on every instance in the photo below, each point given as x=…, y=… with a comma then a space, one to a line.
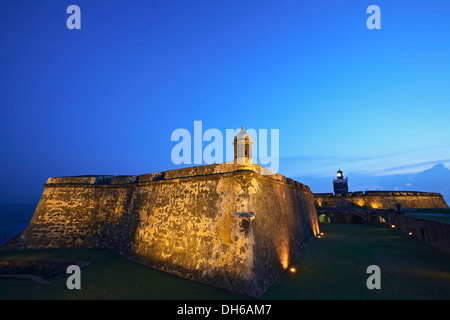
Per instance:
x=14, y=218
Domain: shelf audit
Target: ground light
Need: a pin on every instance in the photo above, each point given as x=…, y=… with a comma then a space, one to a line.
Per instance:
x=393, y=226
x=292, y=270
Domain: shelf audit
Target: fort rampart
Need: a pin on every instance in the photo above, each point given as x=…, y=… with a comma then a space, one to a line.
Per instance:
x=226, y=225
x=389, y=200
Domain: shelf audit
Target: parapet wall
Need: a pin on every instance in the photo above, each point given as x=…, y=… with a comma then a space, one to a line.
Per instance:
x=432, y=232
x=174, y=174
x=381, y=200
x=235, y=229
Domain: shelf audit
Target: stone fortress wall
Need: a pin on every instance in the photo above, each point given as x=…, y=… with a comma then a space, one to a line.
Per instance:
x=381, y=200
x=233, y=226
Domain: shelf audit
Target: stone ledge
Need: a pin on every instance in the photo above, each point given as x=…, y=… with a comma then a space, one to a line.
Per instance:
x=174, y=175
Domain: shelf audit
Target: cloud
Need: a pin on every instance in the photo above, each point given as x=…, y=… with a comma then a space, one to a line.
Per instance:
x=412, y=161
x=412, y=167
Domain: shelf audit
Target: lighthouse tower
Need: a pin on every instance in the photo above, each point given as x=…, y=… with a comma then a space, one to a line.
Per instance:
x=340, y=185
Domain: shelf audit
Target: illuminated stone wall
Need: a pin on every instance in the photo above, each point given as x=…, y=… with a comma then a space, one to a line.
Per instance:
x=224, y=225
x=381, y=200
x=285, y=219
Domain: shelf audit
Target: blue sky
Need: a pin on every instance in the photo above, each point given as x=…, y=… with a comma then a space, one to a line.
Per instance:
x=105, y=99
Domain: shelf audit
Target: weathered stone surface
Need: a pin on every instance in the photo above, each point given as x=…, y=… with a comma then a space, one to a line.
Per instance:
x=225, y=225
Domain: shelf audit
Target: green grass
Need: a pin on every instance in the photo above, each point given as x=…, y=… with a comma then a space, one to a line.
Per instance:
x=333, y=267
x=109, y=276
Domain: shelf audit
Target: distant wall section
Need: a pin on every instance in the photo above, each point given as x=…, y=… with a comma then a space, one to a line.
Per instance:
x=387, y=200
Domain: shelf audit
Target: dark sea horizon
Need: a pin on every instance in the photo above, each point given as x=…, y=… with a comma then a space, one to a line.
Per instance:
x=14, y=218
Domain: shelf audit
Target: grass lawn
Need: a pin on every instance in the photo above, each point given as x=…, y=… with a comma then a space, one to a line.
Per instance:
x=333, y=267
